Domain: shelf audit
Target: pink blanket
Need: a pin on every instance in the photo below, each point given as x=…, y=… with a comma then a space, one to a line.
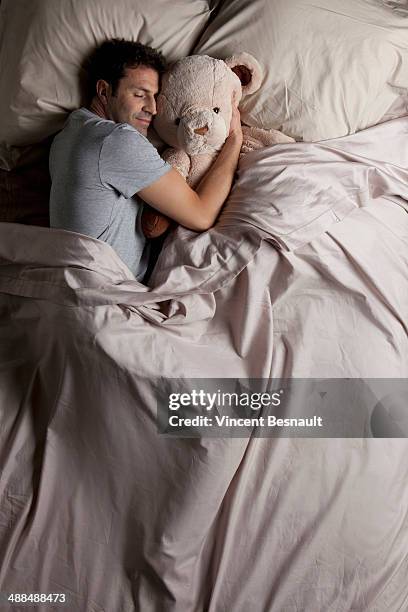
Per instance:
x=305, y=275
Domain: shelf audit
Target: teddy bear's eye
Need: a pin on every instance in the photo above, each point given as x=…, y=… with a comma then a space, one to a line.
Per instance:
x=216, y=110
x=177, y=121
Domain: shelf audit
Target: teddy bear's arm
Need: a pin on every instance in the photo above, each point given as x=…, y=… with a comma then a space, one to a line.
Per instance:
x=179, y=160
x=257, y=138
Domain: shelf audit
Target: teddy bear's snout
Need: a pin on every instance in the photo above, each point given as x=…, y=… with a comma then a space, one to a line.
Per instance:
x=202, y=130
x=197, y=120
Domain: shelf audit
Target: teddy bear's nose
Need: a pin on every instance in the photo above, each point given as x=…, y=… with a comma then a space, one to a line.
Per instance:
x=202, y=130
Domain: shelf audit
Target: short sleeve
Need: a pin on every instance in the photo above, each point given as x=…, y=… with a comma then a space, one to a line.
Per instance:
x=128, y=162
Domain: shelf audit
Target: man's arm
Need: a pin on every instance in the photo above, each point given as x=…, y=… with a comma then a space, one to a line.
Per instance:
x=198, y=209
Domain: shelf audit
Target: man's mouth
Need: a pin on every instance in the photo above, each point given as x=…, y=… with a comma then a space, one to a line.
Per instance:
x=145, y=121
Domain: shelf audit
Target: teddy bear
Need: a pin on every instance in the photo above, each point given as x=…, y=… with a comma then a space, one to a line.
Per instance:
x=194, y=111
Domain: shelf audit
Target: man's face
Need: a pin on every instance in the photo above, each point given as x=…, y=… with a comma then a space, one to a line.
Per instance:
x=134, y=101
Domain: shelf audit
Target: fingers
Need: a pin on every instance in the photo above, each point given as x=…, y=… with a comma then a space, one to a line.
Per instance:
x=235, y=124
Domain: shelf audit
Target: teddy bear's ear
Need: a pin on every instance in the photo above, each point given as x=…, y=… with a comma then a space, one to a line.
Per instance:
x=247, y=69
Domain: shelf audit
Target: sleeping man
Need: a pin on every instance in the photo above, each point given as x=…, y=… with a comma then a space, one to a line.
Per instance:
x=103, y=167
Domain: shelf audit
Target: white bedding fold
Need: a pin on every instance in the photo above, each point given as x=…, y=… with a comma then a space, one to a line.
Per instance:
x=305, y=275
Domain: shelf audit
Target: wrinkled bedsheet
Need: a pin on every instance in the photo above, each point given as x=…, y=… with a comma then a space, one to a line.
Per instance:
x=304, y=275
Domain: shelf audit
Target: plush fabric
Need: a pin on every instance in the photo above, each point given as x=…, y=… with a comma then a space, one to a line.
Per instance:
x=194, y=111
x=194, y=108
x=43, y=46
x=332, y=67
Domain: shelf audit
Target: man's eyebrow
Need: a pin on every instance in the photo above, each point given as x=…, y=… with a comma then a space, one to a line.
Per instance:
x=142, y=89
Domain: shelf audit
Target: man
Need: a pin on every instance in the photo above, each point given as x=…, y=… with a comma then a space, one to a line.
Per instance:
x=102, y=159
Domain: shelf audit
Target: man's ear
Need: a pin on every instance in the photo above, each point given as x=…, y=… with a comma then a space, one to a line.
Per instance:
x=247, y=69
x=103, y=91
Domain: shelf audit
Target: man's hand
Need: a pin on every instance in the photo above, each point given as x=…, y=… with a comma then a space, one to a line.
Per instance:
x=235, y=126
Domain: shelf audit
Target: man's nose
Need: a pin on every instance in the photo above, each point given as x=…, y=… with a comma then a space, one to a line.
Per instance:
x=150, y=107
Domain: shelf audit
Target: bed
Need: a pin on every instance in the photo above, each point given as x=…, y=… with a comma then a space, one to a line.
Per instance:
x=303, y=278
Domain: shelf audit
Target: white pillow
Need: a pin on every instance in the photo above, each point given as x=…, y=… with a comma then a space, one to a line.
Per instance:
x=332, y=67
x=44, y=42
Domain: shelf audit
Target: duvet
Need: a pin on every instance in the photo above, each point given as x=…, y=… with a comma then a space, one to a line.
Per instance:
x=304, y=275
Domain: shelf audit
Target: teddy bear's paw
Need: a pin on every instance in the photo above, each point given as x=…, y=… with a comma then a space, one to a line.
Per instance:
x=258, y=137
x=154, y=224
x=278, y=137
x=249, y=145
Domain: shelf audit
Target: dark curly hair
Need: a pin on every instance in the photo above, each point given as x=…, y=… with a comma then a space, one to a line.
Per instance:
x=111, y=58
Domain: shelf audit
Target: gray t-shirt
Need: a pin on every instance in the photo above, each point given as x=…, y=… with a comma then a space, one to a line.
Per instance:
x=97, y=166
